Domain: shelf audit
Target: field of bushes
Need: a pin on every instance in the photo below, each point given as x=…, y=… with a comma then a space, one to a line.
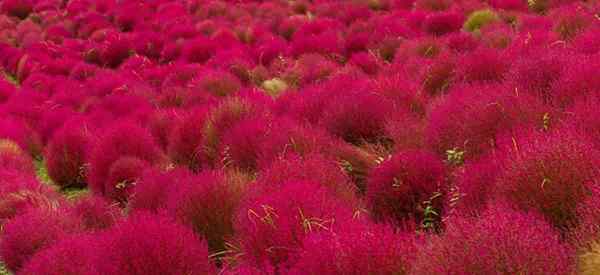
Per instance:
x=400, y=137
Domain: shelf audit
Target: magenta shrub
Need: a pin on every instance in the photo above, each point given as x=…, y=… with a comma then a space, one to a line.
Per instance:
x=549, y=173
x=483, y=65
x=95, y=213
x=185, y=141
x=359, y=249
x=150, y=244
x=153, y=187
x=58, y=259
x=271, y=225
x=294, y=137
x=67, y=153
x=313, y=167
x=21, y=192
x=32, y=232
x=356, y=115
x=124, y=140
x=471, y=118
x=398, y=189
x=500, y=241
x=123, y=175
x=207, y=204
x=12, y=157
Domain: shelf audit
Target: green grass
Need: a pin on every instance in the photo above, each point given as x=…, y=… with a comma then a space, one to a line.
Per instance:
x=75, y=193
x=41, y=172
x=42, y=175
x=12, y=80
x=480, y=18
x=3, y=270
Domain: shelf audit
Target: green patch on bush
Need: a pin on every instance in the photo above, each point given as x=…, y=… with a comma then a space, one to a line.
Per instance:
x=42, y=172
x=3, y=270
x=480, y=18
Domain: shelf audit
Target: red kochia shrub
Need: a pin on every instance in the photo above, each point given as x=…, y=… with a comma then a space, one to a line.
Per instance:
x=570, y=20
x=66, y=154
x=150, y=244
x=95, y=213
x=58, y=259
x=220, y=118
x=153, y=188
x=207, y=204
x=359, y=249
x=32, y=232
x=185, y=141
x=579, y=80
x=549, y=173
x=6, y=90
x=313, y=167
x=317, y=36
x=217, y=83
x=443, y=22
x=501, y=241
x=474, y=187
x=472, y=117
x=289, y=138
x=588, y=229
x=586, y=42
x=536, y=74
x=198, y=50
x=403, y=92
x=123, y=175
x=124, y=139
x=18, y=8
x=242, y=143
x=12, y=157
x=21, y=192
x=115, y=50
x=271, y=225
x=397, y=190
x=583, y=117
x=483, y=65
x=357, y=115
x=18, y=131
x=516, y=5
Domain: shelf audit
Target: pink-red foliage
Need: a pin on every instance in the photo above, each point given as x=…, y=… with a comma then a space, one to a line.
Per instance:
x=32, y=232
x=207, y=204
x=67, y=153
x=397, y=190
x=74, y=255
x=500, y=241
x=271, y=225
x=122, y=140
x=150, y=244
x=549, y=173
x=359, y=249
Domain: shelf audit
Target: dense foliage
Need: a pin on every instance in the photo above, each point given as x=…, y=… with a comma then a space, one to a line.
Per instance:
x=299, y=137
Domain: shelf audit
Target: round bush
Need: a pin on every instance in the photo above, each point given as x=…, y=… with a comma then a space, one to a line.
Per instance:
x=271, y=225
x=549, y=173
x=32, y=232
x=398, y=189
x=207, y=204
x=150, y=244
x=125, y=139
x=501, y=240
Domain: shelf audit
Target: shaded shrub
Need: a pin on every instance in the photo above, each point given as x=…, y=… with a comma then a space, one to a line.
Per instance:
x=271, y=225
x=403, y=186
x=150, y=244
x=32, y=232
x=502, y=240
